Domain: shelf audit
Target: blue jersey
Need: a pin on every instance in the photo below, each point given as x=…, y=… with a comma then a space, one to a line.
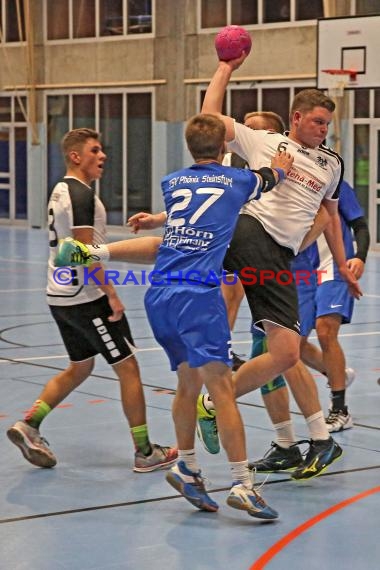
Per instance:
x=349, y=210
x=202, y=203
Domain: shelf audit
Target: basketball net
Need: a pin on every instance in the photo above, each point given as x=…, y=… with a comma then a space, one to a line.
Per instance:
x=338, y=81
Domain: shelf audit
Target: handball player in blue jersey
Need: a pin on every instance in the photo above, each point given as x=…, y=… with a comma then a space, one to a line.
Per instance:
x=185, y=306
x=186, y=309
x=333, y=306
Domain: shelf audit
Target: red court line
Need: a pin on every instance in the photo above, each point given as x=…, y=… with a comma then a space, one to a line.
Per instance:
x=295, y=533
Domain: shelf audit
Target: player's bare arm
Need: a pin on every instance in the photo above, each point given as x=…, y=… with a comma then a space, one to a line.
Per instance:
x=319, y=225
x=146, y=221
x=213, y=101
x=333, y=235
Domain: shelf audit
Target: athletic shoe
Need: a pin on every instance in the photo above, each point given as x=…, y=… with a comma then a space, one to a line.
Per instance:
x=321, y=454
x=207, y=429
x=236, y=362
x=338, y=420
x=191, y=486
x=350, y=376
x=278, y=458
x=249, y=500
x=160, y=458
x=72, y=252
x=33, y=447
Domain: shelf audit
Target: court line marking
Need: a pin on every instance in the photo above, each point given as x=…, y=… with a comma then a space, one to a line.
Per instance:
x=4, y=360
x=153, y=500
x=278, y=546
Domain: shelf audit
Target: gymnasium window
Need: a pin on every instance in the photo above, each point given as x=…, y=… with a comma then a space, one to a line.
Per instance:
x=238, y=102
x=12, y=21
x=217, y=13
x=361, y=103
x=125, y=123
x=367, y=7
x=78, y=19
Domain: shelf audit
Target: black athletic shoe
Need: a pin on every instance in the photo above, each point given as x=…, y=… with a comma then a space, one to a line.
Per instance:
x=236, y=362
x=278, y=459
x=321, y=454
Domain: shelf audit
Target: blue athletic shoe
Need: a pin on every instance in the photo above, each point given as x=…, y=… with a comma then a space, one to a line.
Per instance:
x=191, y=486
x=207, y=430
x=250, y=501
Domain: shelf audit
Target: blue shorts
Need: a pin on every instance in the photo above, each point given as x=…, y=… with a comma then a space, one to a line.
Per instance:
x=333, y=298
x=190, y=323
x=306, y=292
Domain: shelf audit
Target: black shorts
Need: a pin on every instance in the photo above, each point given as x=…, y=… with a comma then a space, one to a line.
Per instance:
x=264, y=270
x=86, y=331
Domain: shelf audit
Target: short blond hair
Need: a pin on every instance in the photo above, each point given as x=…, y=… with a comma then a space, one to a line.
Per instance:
x=273, y=120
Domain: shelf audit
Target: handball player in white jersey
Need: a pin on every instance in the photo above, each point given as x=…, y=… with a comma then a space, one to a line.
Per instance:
x=269, y=232
x=90, y=316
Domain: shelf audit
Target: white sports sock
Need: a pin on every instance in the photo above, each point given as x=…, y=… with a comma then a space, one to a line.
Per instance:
x=285, y=436
x=189, y=459
x=100, y=252
x=317, y=426
x=241, y=473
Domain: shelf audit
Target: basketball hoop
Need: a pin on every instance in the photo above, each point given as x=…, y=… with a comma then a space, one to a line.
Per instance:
x=339, y=80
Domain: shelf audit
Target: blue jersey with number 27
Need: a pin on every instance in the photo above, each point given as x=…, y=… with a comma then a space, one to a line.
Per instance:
x=202, y=204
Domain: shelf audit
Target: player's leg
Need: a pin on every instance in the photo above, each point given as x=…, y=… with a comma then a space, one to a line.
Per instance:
x=283, y=352
x=283, y=453
x=26, y=433
x=148, y=456
x=186, y=476
x=327, y=327
x=323, y=449
x=233, y=294
x=312, y=356
x=217, y=378
x=116, y=344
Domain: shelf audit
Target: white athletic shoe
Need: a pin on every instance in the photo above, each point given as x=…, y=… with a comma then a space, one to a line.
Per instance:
x=350, y=376
x=33, y=446
x=338, y=420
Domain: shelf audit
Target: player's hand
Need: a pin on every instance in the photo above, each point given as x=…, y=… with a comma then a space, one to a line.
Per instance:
x=141, y=221
x=356, y=266
x=117, y=308
x=235, y=63
x=353, y=285
x=282, y=159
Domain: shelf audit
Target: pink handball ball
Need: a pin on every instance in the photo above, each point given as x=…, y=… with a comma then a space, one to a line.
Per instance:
x=231, y=41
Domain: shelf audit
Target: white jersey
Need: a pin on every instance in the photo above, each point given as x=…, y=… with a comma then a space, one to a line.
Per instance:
x=287, y=212
x=72, y=204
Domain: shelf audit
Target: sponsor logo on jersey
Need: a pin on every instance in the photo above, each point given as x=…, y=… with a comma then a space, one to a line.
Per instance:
x=321, y=161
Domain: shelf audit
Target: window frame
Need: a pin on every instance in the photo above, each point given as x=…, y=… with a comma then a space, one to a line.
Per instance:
x=3, y=26
x=108, y=91
x=292, y=22
x=99, y=38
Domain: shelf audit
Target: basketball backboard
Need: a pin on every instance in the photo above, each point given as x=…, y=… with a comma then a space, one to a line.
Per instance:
x=351, y=43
